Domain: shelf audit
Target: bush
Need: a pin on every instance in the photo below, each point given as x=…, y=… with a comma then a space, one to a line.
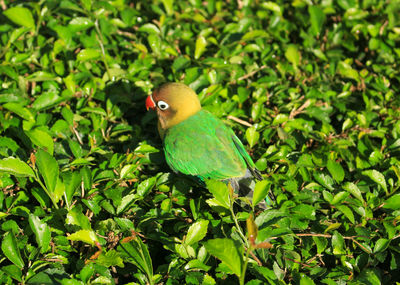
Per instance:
x=312, y=91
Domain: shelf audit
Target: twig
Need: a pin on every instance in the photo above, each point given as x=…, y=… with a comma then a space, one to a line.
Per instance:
x=295, y=112
x=3, y=5
x=298, y=262
x=352, y=238
x=383, y=27
x=240, y=121
x=250, y=74
x=77, y=136
x=100, y=40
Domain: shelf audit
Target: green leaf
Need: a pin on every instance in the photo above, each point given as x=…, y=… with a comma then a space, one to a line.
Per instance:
x=260, y=191
x=353, y=190
x=10, y=249
x=76, y=217
x=228, y=252
x=20, y=16
x=201, y=44
x=393, y=203
x=145, y=186
x=197, y=231
x=317, y=18
x=126, y=201
x=347, y=71
x=41, y=231
x=16, y=167
x=220, y=192
x=324, y=179
x=292, y=54
x=272, y=6
x=137, y=253
x=87, y=236
x=13, y=271
x=305, y=280
x=381, y=245
x=338, y=244
x=110, y=258
x=169, y=6
x=252, y=136
x=336, y=170
x=377, y=177
x=41, y=139
x=347, y=212
x=46, y=100
x=72, y=181
x=20, y=110
x=88, y=54
x=48, y=169
x=339, y=197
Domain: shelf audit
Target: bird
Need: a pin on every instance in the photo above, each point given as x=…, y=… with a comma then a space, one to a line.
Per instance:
x=197, y=143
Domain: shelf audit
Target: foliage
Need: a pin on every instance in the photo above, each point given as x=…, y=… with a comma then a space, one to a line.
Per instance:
x=87, y=197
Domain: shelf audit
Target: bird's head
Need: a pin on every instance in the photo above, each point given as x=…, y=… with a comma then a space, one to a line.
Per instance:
x=174, y=103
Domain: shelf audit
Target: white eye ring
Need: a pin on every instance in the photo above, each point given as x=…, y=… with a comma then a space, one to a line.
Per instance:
x=162, y=105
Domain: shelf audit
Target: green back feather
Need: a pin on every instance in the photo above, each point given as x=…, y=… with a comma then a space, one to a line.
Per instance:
x=204, y=146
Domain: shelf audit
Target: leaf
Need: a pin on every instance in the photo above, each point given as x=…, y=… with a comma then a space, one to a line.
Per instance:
x=145, y=186
x=48, y=168
x=393, y=203
x=10, y=249
x=228, y=252
x=381, y=245
x=110, y=258
x=87, y=236
x=260, y=191
x=16, y=167
x=126, y=201
x=20, y=16
x=78, y=24
x=339, y=197
x=20, y=110
x=336, y=170
x=220, y=192
x=377, y=177
x=169, y=6
x=347, y=71
x=324, y=179
x=317, y=18
x=76, y=217
x=200, y=48
x=137, y=253
x=197, y=231
x=338, y=243
x=305, y=280
x=46, y=100
x=252, y=136
x=292, y=54
x=353, y=190
x=41, y=139
x=347, y=212
x=272, y=6
x=72, y=181
x=41, y=231
x=88, y=54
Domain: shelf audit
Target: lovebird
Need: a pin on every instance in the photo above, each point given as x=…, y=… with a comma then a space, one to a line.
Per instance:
x=197, y=143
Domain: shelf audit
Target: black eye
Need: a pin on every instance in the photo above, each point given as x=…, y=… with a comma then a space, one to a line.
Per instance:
x=162, y=105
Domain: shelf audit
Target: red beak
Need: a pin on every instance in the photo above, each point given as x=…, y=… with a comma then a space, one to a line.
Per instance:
x=150, y=103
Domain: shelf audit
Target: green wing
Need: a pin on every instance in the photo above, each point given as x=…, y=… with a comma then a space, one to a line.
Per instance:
x=203, y=146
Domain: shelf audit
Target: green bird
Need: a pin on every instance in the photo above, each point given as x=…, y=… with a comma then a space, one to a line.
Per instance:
x=196, y=142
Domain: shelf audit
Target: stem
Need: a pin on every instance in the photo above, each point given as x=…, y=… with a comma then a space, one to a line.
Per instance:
x=239, y=228
x=45, y=189
x=103, y=53
x=242, y=276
